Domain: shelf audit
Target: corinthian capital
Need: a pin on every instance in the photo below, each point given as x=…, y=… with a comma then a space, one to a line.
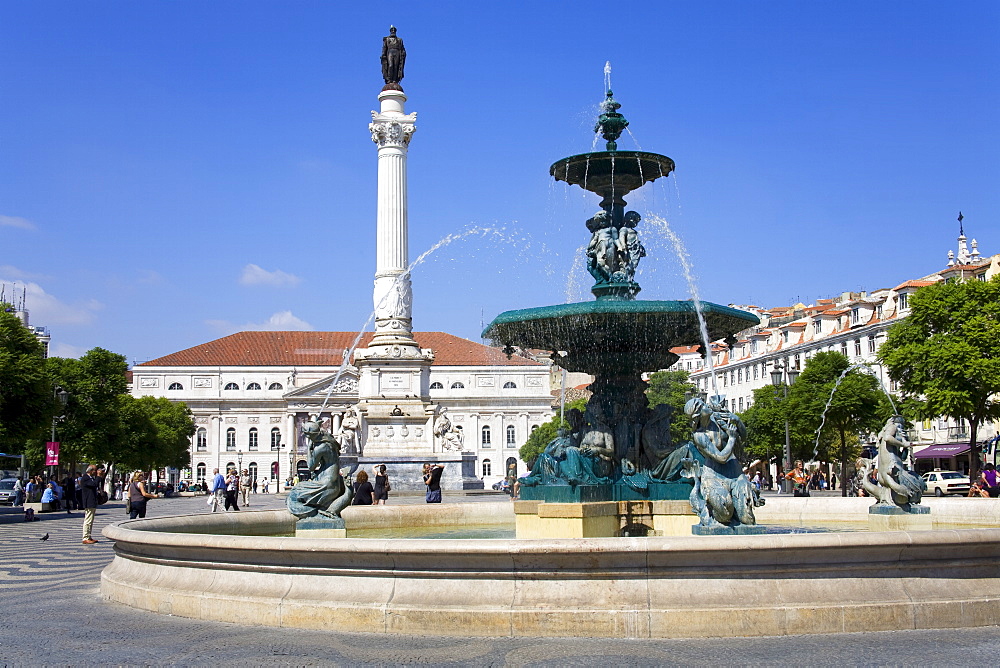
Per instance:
x=392, y=131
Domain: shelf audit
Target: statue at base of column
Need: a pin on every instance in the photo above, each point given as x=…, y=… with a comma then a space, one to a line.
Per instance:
x=325, y=494
x=722, y=493
x=896, y=486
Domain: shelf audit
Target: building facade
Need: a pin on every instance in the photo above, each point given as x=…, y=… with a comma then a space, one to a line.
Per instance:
x=855, y=324
x=250, y=392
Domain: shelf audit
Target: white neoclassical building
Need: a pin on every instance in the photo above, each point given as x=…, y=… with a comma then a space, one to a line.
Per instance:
x=250, y=391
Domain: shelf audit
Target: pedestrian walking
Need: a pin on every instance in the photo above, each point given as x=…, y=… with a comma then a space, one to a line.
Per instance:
x=264, y=485
x=232, y=490
x=245, y=487
x=18, y=493
x=88, y=495
x=363, y=490
x=217, y=490
x=382, y=487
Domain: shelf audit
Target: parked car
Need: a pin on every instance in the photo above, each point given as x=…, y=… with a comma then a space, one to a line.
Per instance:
x=7, y=491
x=946, y=482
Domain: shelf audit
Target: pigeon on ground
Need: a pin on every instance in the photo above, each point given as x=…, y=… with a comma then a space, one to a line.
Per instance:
x=45, y=537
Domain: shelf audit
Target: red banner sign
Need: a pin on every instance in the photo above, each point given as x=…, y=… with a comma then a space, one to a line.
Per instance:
x=52, y=453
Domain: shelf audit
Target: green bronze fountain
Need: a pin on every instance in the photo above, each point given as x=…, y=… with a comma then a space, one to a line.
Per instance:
x=619, y=449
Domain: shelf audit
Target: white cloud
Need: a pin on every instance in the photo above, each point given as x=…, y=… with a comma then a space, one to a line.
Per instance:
x=282, y=321
x=150, y=277
x=47, y=310
x=66, y=350
x=14, y=221
x=20, y=274
x=254, y=275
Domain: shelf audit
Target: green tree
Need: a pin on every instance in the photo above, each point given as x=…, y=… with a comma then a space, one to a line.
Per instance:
x=26, y=401
x=857, y=406
x=545, y=432
x=946, y=354
x=174, y=427
x=673, y=388
x=765, y=423
x=93, y=427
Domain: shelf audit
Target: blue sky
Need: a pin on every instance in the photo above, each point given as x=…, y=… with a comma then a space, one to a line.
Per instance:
x=173, y=172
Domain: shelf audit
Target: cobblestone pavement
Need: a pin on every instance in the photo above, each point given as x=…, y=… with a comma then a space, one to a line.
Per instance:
x=51, y=613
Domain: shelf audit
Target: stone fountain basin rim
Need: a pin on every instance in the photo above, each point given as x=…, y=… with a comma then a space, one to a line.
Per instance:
x=166, y=531
x=594, y=587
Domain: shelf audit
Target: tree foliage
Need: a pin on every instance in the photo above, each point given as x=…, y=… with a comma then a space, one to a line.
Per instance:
x=26, y=397
x=946, y=353
x=673, y=388
x=545, y=432
x=765, y=423
x=857, y=406
x=103, y=423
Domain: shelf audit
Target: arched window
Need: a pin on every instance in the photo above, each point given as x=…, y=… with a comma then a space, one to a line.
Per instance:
x=200, y=475
x=201, y=439
x=458, y=386
x=510, y=385
x=252, y=470
x=253, y=386
x=231, y=438
x=230, y=465
x=302, y=470
x=511, y=463
x=487, y=468
x=253, y=438
x=437, y=386
x=175, y=386
x=231, y=386
x=486, y=437
x=511, y=436
x=533, y=428
x=275, y=386
x=275, y=439
x=274, y=470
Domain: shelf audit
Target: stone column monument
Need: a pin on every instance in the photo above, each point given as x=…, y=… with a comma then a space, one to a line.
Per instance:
x=394, y=406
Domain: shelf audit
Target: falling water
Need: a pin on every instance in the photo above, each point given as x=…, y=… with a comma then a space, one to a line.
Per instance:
x=574, y=288
x=685, y=260
x=500, y=232
x=862, y=366
x=607, y=76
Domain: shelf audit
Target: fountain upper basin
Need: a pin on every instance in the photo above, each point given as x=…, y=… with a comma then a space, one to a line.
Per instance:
x=605, y=172
x=628, y=334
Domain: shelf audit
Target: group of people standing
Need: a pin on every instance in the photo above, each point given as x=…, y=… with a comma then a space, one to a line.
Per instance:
x=368, y=492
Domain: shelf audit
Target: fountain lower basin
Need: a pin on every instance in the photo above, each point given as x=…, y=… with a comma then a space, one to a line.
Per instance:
x=605, y=587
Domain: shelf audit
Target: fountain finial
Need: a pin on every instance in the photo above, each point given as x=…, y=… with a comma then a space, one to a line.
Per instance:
x=611, y=124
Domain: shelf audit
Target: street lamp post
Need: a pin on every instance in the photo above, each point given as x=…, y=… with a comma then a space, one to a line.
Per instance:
x=779, y=373
x=62, y=396
x=239, y=462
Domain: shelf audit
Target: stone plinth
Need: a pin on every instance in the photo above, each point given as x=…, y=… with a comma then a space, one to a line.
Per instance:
x=738, y=530
x=320, y=527
x=883, y=517
x=536, y=519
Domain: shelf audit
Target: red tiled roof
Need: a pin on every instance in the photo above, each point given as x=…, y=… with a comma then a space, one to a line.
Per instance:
x=680, y=350
x=913, y=284
x=326, y=349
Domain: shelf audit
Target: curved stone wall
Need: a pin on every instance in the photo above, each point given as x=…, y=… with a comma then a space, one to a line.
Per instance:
x=609, y=587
